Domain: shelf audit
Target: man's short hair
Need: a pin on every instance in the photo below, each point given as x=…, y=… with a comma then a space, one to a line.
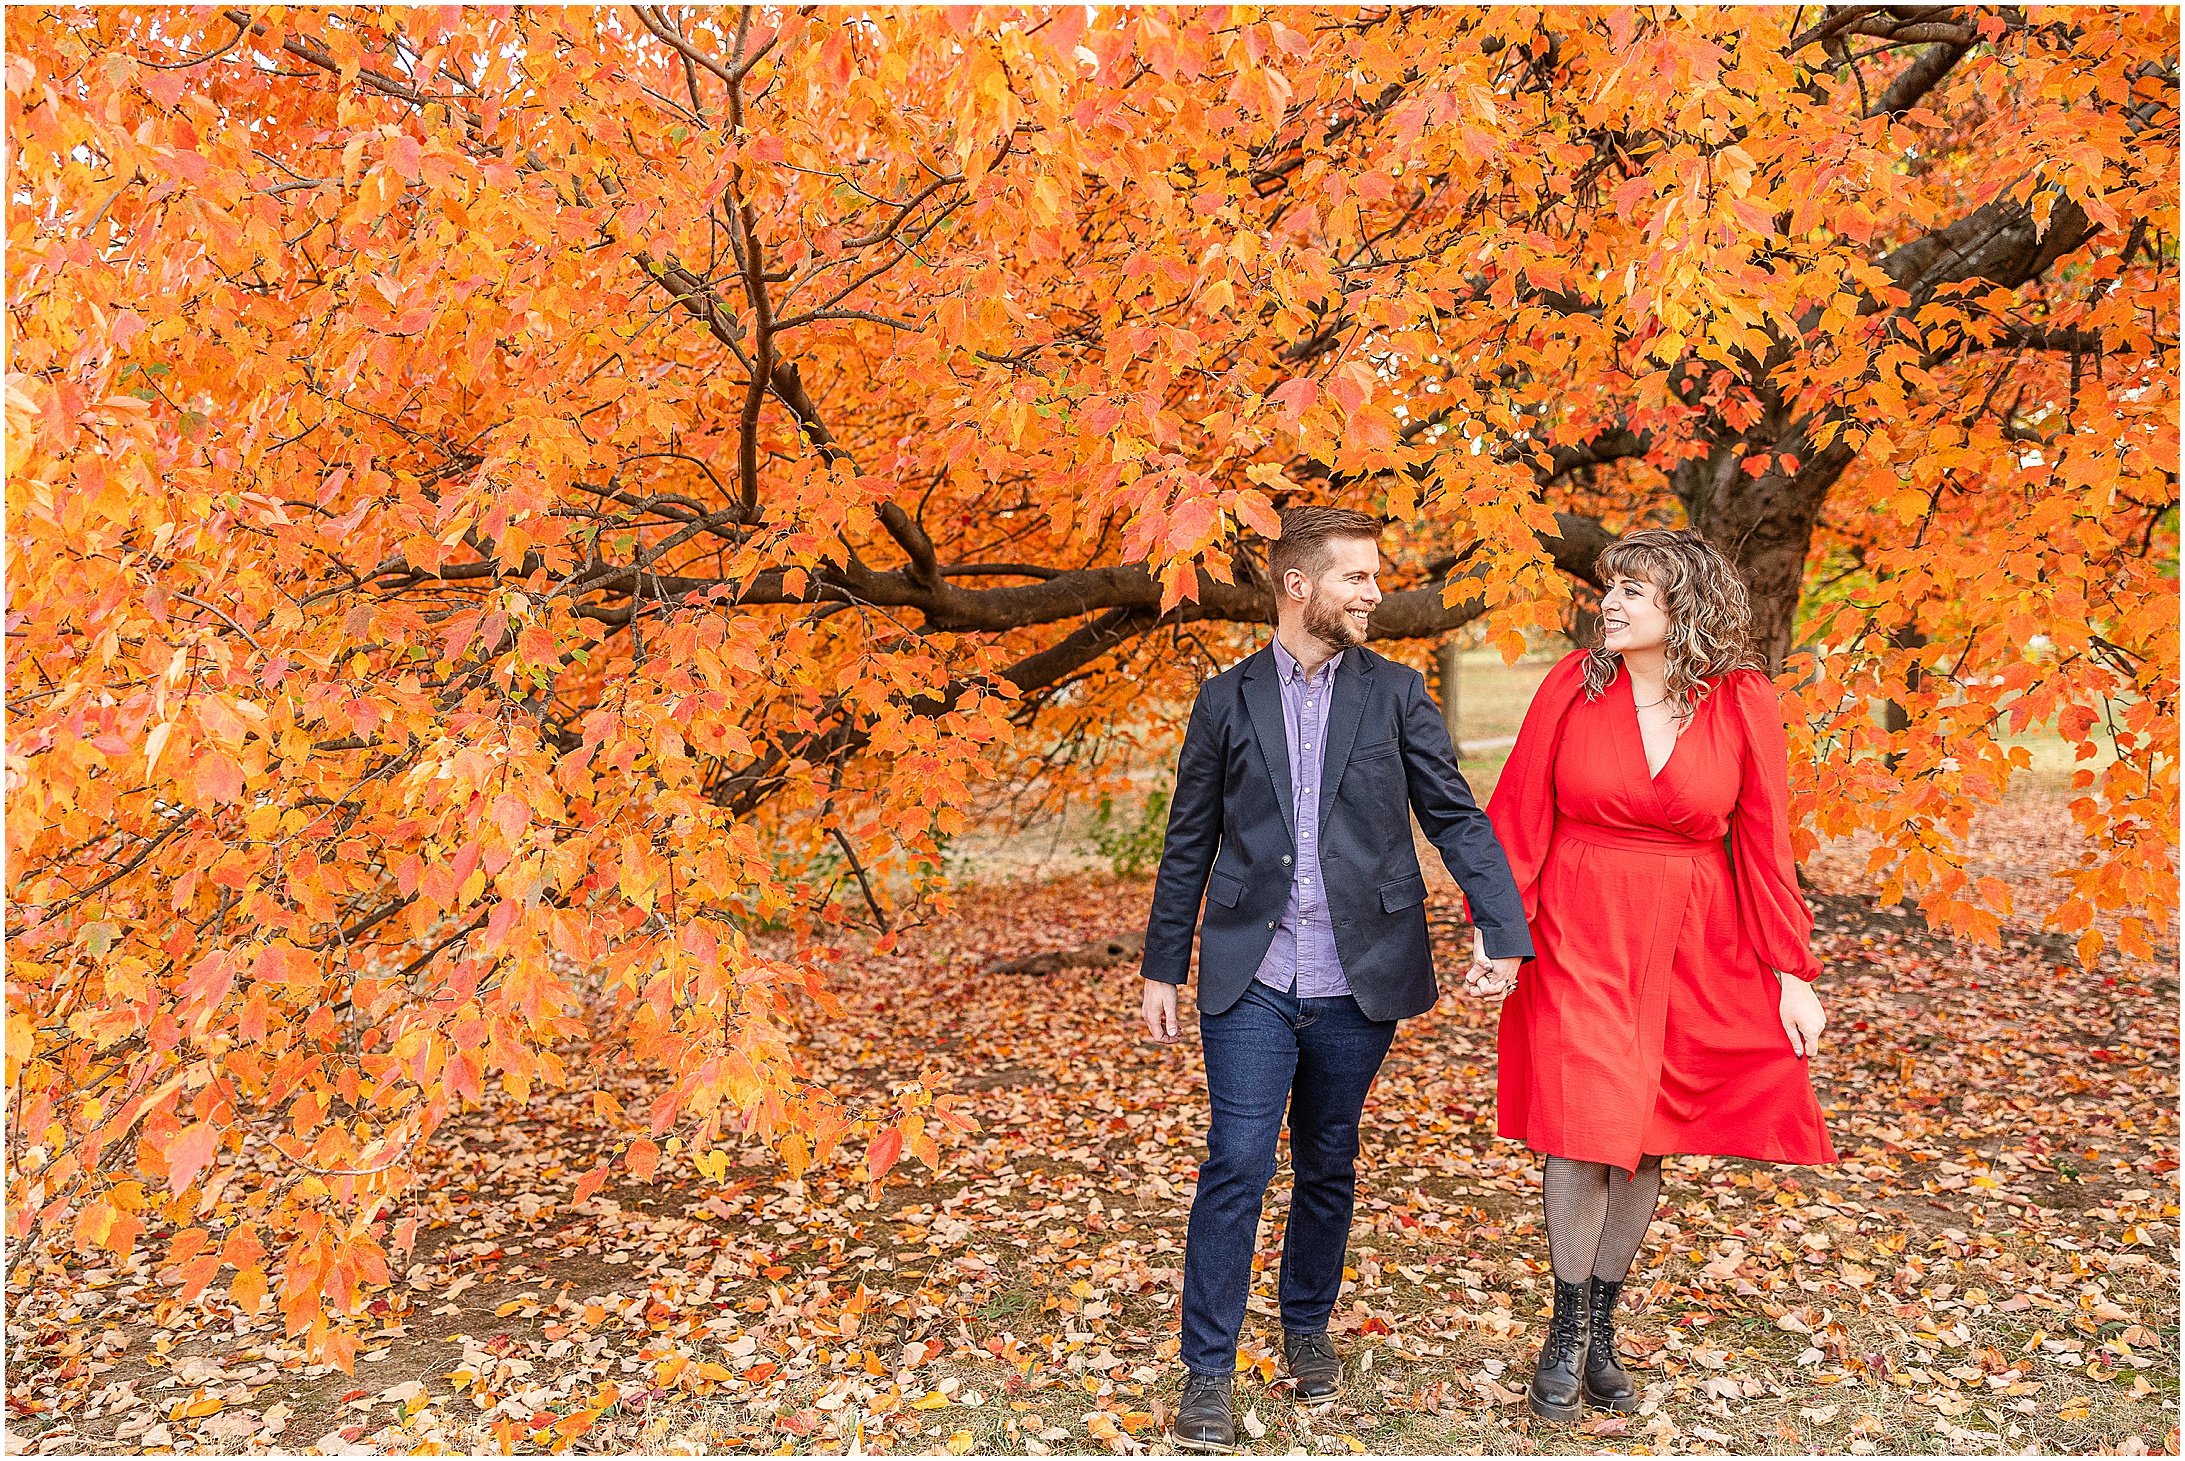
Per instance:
x=1306, y=534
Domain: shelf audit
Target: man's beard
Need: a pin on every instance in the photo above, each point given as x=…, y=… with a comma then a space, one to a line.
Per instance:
x=1330, y=625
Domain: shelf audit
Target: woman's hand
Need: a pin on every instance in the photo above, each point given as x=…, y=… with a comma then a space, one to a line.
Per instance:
x=1803, y=1020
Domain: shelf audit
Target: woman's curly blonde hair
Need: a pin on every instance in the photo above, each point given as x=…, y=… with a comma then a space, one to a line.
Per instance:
x=1710, y=618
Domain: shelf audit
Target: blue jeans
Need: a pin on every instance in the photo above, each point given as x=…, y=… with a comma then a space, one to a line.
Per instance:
x=1319, y=1057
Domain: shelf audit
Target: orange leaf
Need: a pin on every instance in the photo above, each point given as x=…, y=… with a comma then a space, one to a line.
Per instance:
x=189, y=1154
x=217, y=777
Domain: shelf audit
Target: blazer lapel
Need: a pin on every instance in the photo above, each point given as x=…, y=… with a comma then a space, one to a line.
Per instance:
x=1263, y=697
x=1345, y=706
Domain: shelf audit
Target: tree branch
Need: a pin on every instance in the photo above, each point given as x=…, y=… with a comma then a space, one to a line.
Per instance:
x=1998, y=242
x=2036, y=337
x=1916, y=80
x=658, y=25
x=901, y=527
x=1420, y=613
x=863, y=883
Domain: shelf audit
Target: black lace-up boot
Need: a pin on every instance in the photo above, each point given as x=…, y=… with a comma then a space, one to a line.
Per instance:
x=1606, y=1383
x=1557, y=1391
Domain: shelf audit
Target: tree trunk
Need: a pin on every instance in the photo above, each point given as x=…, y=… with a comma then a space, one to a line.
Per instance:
x=1582, y=623
x=1765, y=525
x=1445, y=687
x=1895, y=719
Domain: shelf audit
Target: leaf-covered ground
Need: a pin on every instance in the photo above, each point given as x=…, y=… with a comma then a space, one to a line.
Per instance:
x=1992, y=1267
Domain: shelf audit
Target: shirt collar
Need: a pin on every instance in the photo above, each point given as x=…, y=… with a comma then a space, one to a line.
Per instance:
x=1287, y=667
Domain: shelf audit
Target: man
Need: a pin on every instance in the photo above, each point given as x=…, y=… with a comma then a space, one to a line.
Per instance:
x=1291, y=816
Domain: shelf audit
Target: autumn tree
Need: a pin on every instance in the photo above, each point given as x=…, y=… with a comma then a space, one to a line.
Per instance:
x=510, y=508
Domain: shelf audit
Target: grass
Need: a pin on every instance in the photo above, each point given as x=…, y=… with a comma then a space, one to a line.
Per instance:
x=1709, y=1381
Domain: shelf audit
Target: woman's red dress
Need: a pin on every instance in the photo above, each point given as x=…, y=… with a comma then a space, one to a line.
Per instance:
x=1648, y=1024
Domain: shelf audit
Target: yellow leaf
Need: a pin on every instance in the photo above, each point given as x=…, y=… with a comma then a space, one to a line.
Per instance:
x=247, y=1290
x=22, y=1039
x=155, y=743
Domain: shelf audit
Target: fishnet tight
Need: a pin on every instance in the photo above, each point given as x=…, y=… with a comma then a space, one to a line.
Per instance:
x=1597, y=1217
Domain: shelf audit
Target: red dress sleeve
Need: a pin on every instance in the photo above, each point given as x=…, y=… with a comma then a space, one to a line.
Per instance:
x=1773, y=914
x=1523, y=805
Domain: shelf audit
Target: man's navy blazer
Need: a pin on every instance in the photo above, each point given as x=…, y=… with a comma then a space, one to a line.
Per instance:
x=1232, y=837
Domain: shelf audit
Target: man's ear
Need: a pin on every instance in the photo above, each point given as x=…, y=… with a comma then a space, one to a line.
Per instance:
x=1306, y=590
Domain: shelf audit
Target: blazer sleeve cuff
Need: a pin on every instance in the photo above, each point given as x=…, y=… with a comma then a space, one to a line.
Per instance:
x=1506, y=943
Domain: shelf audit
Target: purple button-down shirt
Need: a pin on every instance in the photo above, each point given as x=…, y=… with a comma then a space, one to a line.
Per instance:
x=1303, y=951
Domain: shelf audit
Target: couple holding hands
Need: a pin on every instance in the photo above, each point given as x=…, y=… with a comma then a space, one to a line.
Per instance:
x=1631, y=889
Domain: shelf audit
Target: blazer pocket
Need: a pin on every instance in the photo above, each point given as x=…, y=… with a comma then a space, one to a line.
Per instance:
x=1226, y=890
x=1403, y=892
x=1375, y=751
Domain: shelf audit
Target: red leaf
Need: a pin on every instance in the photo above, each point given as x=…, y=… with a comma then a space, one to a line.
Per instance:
x=881, y=1155
x=210, y=979
x=189, y=1154
x=511, y=815
x=1352, y=388
x=1257, y=513
x=218, y=778
x=1296, y=398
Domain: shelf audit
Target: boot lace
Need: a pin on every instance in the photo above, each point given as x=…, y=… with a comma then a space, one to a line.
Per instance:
x=1312, y=1347
x=1567, y=1328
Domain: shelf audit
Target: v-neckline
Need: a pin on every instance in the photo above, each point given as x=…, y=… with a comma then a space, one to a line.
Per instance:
x=1631, y=694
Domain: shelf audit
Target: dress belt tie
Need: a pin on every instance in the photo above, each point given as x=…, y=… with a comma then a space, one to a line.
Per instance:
x=1665, y=844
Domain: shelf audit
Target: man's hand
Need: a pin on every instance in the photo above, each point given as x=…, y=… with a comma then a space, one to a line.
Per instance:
x=1489, y=978
x=1160, y=1009
x=1800, y=1009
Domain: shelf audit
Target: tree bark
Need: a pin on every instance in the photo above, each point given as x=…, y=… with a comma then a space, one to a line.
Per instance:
x=1446, y=676
x=1765, y=526
x=1895, y=719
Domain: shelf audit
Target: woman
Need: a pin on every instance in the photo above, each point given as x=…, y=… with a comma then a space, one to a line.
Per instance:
x=1644, y=812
